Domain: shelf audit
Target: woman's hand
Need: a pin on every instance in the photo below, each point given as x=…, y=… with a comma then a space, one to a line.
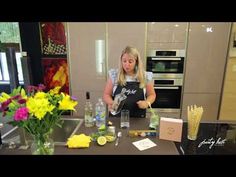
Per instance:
x=110, y=106
x=142, y=104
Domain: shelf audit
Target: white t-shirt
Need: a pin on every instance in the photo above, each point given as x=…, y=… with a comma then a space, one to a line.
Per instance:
x=113, y=74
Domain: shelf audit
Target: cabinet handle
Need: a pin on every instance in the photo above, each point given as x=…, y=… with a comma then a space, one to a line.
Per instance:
x=175, y=59
x=175, y=88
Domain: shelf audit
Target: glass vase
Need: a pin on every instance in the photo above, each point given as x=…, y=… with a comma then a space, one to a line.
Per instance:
x=42, y=145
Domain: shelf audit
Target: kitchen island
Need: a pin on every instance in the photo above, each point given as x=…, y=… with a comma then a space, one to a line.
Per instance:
x=125, y=146
x=213, y=138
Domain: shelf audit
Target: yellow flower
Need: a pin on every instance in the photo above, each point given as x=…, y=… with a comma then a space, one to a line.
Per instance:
x=67, y=103
x=39, y=107
x=4, y=97
x=23, y=94
x=40, y=95
x=55, y=90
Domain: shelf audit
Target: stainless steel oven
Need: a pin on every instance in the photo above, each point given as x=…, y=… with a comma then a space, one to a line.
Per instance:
x=162, y=62
x=169, y=92
x=167, y=67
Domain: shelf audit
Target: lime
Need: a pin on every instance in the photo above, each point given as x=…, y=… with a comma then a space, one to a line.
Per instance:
x=102, y=127
x=101, y=140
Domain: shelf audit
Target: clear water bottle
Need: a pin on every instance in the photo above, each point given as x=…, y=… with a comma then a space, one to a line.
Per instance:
x=88, y=112
x=100, y=113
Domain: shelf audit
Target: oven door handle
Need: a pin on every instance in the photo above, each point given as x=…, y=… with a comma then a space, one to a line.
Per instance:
x=175, y=59
x=174, y=88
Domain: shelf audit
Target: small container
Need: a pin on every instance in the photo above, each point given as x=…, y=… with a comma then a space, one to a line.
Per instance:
x=111, y=130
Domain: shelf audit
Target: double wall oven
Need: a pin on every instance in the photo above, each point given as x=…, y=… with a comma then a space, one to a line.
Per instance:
x=167, y=67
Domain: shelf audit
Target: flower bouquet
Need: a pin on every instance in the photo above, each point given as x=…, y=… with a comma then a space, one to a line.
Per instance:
x=37, y=112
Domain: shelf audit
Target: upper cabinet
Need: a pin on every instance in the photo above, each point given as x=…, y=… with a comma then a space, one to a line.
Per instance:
x=86, y=40
x=86, y=52
x=122, y=34
x=206, y=57
x=161, y=35
x=205, y=66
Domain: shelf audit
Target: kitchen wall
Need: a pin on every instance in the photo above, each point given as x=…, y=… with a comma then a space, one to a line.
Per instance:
x=228, y=104
x=205, y=66
x=93, y=49
x=205, y=51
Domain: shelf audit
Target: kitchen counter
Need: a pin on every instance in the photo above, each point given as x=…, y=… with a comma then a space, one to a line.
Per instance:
x=213, y=138
x=125, y=146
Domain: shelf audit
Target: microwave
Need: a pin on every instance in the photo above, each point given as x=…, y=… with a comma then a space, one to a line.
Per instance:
x=165, y=61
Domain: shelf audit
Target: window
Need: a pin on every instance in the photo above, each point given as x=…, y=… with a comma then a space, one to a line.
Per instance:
x=9, y=32
x=0, y=73
x=4, y=77
x=9, y=37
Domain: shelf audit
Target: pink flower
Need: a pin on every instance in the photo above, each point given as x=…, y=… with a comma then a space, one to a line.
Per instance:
x=21, y=114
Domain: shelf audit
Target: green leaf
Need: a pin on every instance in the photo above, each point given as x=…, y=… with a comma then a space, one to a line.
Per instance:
x=9, y=114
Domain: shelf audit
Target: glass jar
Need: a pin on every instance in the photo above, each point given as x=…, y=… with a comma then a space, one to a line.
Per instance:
x=42, y=145
x=111, y=131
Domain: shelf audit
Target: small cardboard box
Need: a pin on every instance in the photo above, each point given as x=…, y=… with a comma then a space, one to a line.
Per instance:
x=171, y=129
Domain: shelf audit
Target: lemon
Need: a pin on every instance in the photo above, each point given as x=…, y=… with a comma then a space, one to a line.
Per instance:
x=110, y=138
x=109, y=123
x=101, y=140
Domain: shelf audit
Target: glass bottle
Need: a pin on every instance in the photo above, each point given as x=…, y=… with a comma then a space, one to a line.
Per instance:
x=118, y=103
x=100, y=112
x=88, y=112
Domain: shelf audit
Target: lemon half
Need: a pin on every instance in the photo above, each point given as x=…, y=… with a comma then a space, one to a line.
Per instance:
x=110, y=138
x=101, y=140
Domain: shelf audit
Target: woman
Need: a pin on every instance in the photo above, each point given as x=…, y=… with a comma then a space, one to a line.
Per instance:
x=138, y=84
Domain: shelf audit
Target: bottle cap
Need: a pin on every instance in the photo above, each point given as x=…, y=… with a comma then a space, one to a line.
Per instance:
x=24, y=54
x=87, y=95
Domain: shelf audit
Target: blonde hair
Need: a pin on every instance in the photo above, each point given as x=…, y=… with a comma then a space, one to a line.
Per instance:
x=138, y=68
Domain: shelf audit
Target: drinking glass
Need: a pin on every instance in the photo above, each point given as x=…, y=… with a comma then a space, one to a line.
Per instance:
x=194, y=119
x=124, y=119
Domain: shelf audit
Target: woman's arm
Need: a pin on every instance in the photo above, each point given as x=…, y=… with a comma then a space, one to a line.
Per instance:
x=107, y=94
x=151, y=96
